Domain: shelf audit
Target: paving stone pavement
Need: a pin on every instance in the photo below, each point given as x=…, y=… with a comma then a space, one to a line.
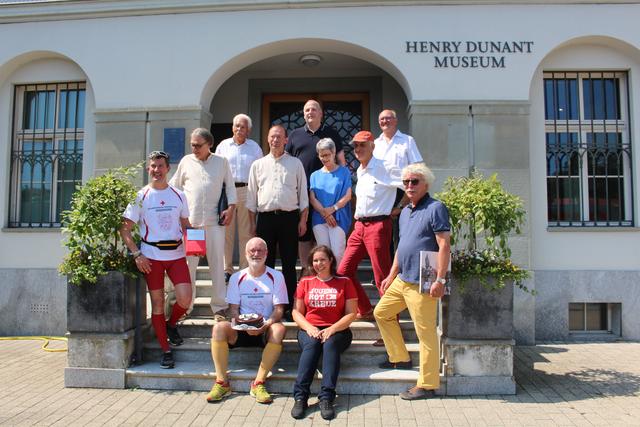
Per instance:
x=558, y=384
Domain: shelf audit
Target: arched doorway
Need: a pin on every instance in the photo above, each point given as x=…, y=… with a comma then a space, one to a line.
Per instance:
x=273, y=90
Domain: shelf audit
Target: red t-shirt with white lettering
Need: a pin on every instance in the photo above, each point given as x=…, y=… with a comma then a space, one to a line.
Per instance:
x=325, y=301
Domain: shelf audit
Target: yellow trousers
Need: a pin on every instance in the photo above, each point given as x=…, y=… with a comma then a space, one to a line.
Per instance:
x=422, y=309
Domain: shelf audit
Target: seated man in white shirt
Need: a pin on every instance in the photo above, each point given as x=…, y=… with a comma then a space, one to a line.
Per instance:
x=257, y=289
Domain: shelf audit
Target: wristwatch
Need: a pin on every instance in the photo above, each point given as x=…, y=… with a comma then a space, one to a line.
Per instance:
x=136, y=254
x=441, y=280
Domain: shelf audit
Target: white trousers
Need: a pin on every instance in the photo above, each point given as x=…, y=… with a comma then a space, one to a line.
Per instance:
x=332, y=237
x=214, y=235
x=241, y=220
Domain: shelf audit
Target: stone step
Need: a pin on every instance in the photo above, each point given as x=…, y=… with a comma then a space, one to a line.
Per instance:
x=202, y=308
x=205, y=289
x=365, y=272
x=199, y=376
x=201, y=328
x=360, y=353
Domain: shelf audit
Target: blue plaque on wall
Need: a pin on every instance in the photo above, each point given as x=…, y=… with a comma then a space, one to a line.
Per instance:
x=174, y=143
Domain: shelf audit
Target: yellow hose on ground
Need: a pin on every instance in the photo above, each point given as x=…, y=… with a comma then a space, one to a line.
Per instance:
x=44, y=345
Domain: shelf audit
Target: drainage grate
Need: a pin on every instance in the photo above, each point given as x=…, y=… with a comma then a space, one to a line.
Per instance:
x=39, y=308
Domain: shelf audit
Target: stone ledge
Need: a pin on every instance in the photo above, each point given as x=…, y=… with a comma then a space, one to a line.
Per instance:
x=469, y=386
x=94, y=377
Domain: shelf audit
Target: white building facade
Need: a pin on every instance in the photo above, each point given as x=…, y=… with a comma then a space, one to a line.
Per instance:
x=542, y=93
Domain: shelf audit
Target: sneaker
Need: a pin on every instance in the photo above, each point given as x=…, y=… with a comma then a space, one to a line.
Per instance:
x=326, y=410
x=167, y=360
x=397, y=365
x=174, y=336
x=299, y=409
x=218, y=392
x=416, y=393
x=259, y=391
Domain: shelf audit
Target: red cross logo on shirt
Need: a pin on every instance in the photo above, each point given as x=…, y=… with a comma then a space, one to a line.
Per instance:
x=162, y=203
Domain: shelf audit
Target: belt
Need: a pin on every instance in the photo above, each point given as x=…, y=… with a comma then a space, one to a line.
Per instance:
x=279, y=212
x=373, y=218
x=241, y=184
x=165, y=245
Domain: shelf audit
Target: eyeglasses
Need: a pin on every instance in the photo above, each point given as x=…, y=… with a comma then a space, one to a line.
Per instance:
x=413, y=181
x=158, y=155
x=197, y=145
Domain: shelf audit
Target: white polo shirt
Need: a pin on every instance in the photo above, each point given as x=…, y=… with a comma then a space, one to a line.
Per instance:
x=400, y=151
x=240, y=157
x=257, y=294
x=376, y=188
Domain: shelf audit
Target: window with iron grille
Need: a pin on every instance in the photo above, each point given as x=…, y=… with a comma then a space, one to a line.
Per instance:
x=46, y=156
x=588, y=149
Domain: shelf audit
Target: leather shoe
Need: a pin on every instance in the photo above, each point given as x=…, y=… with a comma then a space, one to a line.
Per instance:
x=299, y=409
x=417, y=393
x=397, y=365
x=368, y=317
x=378, y=343
x=326, y=410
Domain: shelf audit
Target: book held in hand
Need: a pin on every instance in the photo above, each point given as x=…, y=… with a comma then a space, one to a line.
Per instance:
x=195, y=244
x=429, y=271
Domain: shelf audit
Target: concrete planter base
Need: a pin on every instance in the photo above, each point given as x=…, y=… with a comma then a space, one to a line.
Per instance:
x=477, y=313
x=475, y=367
x=101, y=325
x=98, y=360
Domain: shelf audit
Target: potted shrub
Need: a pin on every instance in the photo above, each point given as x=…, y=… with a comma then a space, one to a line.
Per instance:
x=100, y=274
x=482, y=215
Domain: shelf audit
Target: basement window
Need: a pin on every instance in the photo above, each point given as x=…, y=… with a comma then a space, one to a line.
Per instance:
x=594, y=317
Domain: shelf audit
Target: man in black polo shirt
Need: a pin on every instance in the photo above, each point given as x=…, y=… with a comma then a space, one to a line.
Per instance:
x=302, y=144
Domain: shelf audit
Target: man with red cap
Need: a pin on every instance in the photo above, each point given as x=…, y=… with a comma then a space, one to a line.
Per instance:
x=371, y=235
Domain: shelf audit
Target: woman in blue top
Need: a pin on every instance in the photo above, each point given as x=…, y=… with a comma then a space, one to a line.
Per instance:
x=330, y=196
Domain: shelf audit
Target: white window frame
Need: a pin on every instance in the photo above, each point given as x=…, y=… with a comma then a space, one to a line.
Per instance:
x=583, y=127
x=56, y=136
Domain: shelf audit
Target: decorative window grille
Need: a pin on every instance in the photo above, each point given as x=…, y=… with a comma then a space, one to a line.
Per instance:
x=46, y=157
x=588, y=147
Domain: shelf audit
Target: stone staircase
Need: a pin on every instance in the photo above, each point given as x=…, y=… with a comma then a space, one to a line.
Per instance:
x=194, y=368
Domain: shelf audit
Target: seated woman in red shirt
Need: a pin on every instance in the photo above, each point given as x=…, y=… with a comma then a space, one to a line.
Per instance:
x=325, y=305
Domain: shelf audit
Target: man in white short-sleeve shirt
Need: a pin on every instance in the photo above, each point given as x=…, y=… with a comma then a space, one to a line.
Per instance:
x=396, y=150
x=260, y=290
x=241, y=152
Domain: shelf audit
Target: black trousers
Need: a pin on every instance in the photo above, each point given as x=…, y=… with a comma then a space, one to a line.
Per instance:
x=280, y=230
x=312, y=350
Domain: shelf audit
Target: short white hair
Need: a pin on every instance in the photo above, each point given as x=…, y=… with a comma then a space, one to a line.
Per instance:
x=326, y=144
x=244, y=117
x=419, y=169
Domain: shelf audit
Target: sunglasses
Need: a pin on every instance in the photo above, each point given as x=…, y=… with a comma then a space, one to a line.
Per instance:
x=406, y=182
x=158, y=155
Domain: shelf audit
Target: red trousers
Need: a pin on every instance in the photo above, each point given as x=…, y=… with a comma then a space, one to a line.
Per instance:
x=373, y=239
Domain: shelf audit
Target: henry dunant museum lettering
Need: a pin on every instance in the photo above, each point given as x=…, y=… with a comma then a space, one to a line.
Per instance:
x=480, y=54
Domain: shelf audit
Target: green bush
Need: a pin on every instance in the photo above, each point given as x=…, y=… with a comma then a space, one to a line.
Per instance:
x=91, y=227
x=483, y=215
